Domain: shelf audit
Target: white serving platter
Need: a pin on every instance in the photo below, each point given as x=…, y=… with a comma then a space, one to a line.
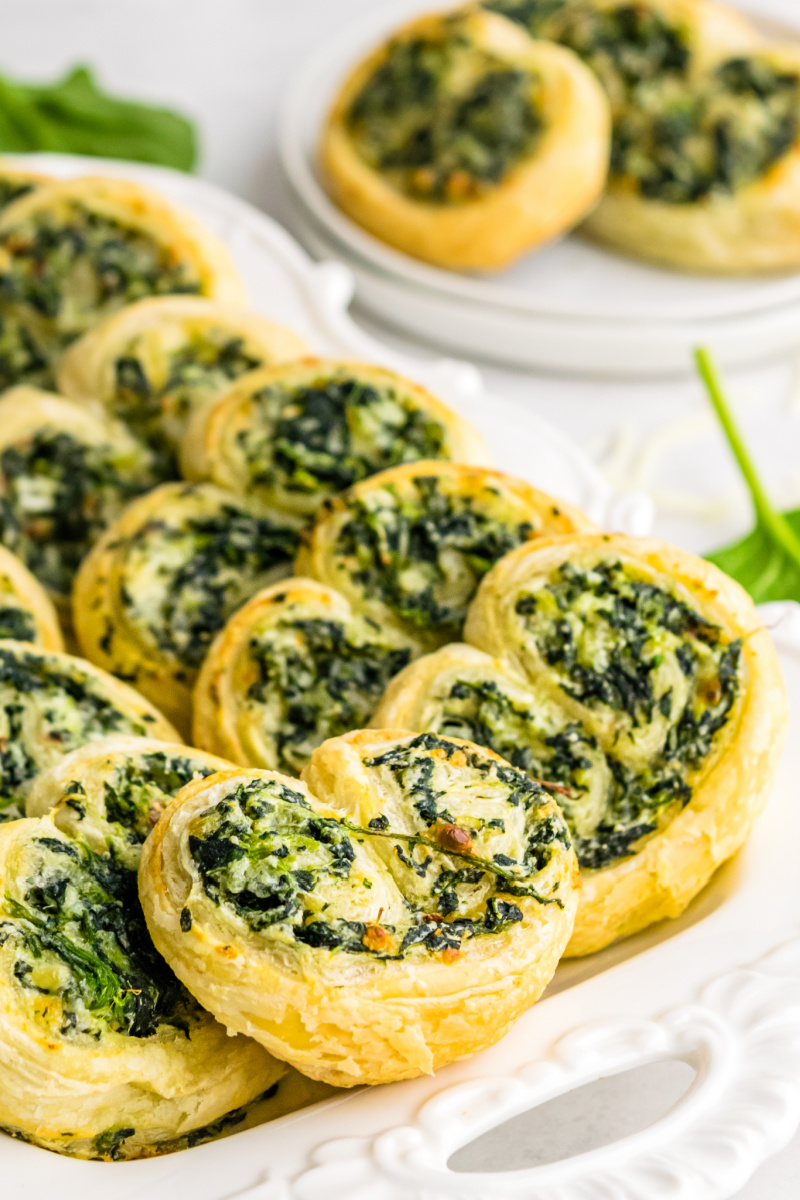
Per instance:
x=572, y=306
x=718, y=990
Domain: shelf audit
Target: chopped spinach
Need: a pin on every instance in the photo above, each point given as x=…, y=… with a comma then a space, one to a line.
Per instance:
x=208, y=566
x=712, y=137
x=157, y=396
x=58, y=494
x=317, y=678
x=141, y=786
x=287, y=871
x=48, y=707
x=318, y=439
x=423, y=554
x=17, y=623
x=24, y=357
x=76, y=932
x=71, y=269
x=444, y=119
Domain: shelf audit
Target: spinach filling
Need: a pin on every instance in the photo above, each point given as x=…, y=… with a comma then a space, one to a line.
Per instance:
x=621, y=646
x=320, y=439
x=423, y=556
x=318, y=679
x=12, y=189
x=23, y=357
x=46, y=711
x=154, y=400
x=17, y=623
x=71, y=271
x=78, y=938
x=443, y=119
x=58, y=494
x=680, y=145
x=210, y=565
x=138, y=791
x=285, y=870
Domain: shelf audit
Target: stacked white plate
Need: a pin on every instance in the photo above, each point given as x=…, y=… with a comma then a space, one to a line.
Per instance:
x=571, y=307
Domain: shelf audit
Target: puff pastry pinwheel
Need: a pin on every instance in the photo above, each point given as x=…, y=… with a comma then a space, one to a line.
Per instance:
x=156, y=362
x=66, y=473
x=294, y=435
x=707, y=177
x=408, y=547
x=103, y=1054
x=292, y=668
x=110, y=793
x=73, y=252
x=163, y=580
x=52, y=703
x=462, y=142
x=639, y=681
x=26, y=611
x=397, y=910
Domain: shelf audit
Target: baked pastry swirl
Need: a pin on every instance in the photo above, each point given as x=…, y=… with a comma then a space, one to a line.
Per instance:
x=640, y=683
x=65, y=474
x=73, y=252
x=705, y=163
x=409, y=546
x=396, y=911
x=110, y=793
x=26, y=611
x=104, y=1053
x=292, y=668
x=463, y=143
x=296, y=434
x=51, y=704
x=165, y=577
x=156, y=362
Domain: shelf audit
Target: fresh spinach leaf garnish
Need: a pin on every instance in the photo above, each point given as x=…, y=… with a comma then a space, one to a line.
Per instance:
x=767, y=561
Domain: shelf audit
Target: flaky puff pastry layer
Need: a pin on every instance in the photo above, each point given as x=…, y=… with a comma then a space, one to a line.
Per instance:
x=100, y=1092
x=19, y=590
x=732, y=784
x=360, y=1016
x=541, y=196
x=216, y=444
x=152, y=331
x=504, y=502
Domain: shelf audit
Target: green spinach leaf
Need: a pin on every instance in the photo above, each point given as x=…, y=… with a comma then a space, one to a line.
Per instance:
x=74, y=116
x=767, y=561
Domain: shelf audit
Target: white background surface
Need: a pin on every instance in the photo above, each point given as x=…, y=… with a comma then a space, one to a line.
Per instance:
x=226, y=62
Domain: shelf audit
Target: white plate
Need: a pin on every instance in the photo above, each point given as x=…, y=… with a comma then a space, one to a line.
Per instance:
x=570, y=307
x=673, y=992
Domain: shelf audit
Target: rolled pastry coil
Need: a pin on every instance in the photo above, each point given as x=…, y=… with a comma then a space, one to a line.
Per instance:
x=52, y=703
x=66, y=472
x=658, y=664
x=158, y=361
x=111, y=793
x=104, y=1053
x=394, y=912
x=26, y=611
x=296, y=434
x=408, y=547
x=509, y=149
x=290, y=669
x=739, y=215
x=156, y=589
x=15, y=182
x=73, y=252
